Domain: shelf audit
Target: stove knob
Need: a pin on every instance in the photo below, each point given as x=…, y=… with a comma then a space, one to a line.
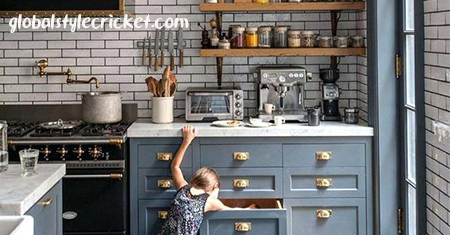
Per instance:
x=96, y=152
x=79, y=151
x=45, y=152
x=238, y=105
x=238, y=113
x=238, y=96
x=63, y=152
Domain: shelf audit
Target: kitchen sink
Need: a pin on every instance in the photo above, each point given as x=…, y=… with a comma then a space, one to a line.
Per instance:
x=16, y=225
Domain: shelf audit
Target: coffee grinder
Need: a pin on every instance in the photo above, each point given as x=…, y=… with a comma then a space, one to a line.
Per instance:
x=330, y=94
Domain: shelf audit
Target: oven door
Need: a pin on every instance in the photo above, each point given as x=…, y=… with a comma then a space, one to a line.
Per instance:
x=94, y=202
x=207, y=106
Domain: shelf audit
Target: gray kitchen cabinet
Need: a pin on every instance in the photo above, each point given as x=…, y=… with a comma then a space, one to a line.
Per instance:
x=152, y=214
x=47, y=212
x=324, y=182
x=326, y=216
x=285, y=170
x=157, y=183
x=241, y=155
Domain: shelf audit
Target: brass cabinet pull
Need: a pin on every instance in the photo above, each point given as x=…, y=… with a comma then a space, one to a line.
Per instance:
x=162, y=215
x=164, y=184
x=323, y=182
x=241, y=156
x=323, y=156
x=47, y=202
x=241, y=183
x=164, y=157
x=324, y=214
x=243, y=226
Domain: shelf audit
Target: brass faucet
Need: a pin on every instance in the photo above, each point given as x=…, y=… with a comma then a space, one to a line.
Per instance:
x=43, y=64
x=97, y=83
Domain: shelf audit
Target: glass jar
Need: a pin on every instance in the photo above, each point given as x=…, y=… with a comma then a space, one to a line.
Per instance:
x=280, y=37
x=260, y=1
x=357, y=41
x=325, y=42
x=265, y=36
x=308, y=39
x=230, y=30
x=3, y=146
x=341, y=42
x=251, y=37
x=211, y=1
x=294, y=38
x=237, y=40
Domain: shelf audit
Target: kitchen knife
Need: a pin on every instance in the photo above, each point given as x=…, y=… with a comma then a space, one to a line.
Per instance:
x=162, y=44
x=170, y=48
x=149, y=51
x=156, y=48
x=143, y=52
x=181, y=46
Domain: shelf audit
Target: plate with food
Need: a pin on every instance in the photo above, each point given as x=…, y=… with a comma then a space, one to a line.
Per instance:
x=227, y=123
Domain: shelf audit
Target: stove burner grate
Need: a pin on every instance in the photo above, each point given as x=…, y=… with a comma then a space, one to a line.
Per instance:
x=19, y=129
x=46, y=132
x=118, y=129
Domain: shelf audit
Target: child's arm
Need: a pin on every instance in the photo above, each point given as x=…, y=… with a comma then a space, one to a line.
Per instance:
x=214, y=204
x=177, y=174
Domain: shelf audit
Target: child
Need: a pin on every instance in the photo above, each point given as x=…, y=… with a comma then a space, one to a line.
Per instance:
x=191, y=200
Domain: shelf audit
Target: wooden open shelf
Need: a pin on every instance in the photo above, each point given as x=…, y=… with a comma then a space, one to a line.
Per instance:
x=282, y=6
x=255, y=52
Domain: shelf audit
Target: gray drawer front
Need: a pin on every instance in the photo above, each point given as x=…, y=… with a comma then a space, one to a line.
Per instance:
x=345, y=182
x=348, y=216
x=148, y=182
x=148, y=156
x=263, y=222
x=295, y=155
x=48, y=219
x=260, y=155
x=263, y=182
x=149, y=223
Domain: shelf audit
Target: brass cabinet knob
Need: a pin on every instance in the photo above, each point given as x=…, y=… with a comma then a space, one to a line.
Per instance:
x=47, y=202
x=243, y=226
x=323, y=156
x=241, y=183
x=164, y=157
x=162, y=215
x=323, y=182
x=324, y=214
x=164, y=184
x=241, y=156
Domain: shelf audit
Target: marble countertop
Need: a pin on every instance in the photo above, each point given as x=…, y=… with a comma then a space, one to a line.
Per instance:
x=18, y=194
x=145, y=128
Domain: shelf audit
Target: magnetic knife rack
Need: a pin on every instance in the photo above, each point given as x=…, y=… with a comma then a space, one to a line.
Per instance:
x=152, y=44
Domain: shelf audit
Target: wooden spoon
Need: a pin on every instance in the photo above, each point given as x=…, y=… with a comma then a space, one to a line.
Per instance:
x=152, y=85
x=173, y=84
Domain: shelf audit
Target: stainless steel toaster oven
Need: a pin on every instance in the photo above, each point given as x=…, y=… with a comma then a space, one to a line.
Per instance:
x=212, y=104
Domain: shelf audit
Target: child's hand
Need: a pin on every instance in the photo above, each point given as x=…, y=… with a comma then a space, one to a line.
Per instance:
x=189, y=133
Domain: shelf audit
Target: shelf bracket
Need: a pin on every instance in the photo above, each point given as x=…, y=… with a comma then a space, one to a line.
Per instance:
x=219, y=60
x=335, y=15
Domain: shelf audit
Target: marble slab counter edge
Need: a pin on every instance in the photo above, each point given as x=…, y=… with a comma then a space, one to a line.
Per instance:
x=144, y=128
x=18, y=194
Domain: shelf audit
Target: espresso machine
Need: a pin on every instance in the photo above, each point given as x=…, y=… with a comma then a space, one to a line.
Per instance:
x=284, y=87
x=330, y=94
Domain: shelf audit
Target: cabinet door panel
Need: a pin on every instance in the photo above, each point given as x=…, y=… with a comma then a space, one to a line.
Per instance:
x=151, y=183
x=309, y=182
x=259, y=182
x=309, y=216
x=150, y=219
x=241, y=155
x=295, y=155
x=47, y=212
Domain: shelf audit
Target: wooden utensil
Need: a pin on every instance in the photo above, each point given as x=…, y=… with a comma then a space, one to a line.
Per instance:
x=152, y=85
x=173, y=84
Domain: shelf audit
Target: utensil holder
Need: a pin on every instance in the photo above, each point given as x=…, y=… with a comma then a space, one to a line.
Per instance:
x=162, y=110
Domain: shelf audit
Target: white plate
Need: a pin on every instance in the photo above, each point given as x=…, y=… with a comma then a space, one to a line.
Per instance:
x=227, y=123
x=259, y=125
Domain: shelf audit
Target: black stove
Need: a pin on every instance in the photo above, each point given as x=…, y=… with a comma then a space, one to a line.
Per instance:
x=95, y=156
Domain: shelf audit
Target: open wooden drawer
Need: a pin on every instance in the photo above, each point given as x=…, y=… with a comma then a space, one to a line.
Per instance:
x=268, y=219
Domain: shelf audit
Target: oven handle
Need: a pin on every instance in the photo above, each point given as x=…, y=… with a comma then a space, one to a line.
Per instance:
x=115, y=176
x=196, y=93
